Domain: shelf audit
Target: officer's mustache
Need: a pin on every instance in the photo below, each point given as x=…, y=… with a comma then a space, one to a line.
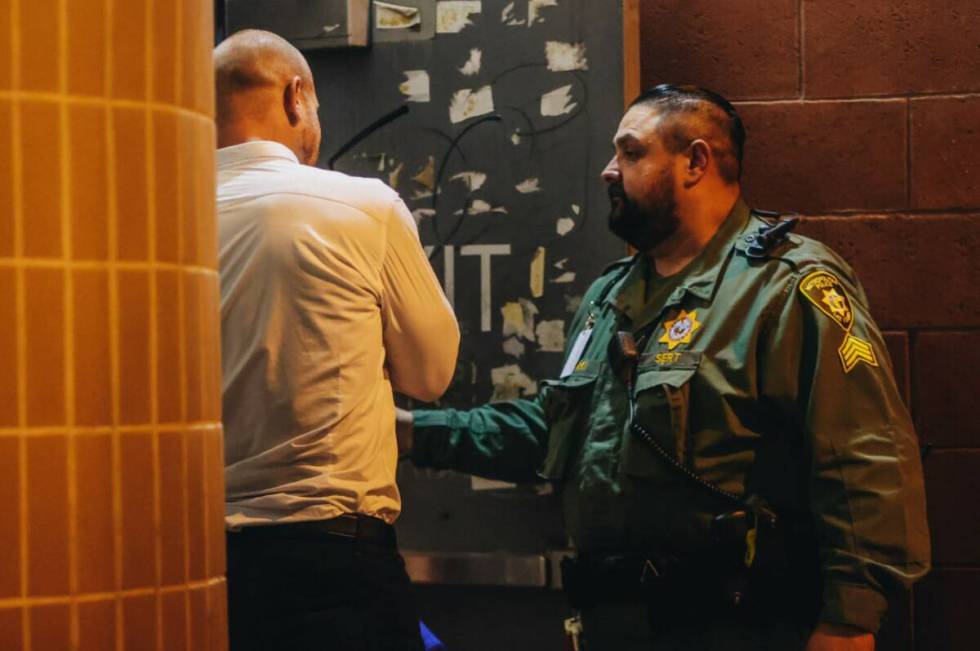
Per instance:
x=616, y=192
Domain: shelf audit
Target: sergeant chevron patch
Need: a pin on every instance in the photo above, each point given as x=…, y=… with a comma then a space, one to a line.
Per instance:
x=855, y=350
x=826, y=292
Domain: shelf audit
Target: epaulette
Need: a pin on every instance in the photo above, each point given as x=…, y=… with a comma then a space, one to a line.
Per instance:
x=768, y=237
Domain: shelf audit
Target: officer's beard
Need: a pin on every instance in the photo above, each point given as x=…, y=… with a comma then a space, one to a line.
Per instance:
x=644, y=228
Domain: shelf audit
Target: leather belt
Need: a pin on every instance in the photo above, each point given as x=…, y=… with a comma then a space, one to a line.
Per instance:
x=353, y=527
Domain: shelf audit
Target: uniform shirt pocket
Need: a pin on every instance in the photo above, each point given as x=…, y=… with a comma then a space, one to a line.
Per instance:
x=663, y=387
x=566, y=406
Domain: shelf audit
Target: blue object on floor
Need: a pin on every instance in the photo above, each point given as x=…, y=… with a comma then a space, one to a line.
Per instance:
x=432, y=643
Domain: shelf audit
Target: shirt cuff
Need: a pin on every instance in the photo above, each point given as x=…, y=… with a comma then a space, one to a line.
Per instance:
x=853, y=605
x=431, y=431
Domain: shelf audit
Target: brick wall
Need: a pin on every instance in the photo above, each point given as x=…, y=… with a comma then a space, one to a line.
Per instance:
x=864, y=116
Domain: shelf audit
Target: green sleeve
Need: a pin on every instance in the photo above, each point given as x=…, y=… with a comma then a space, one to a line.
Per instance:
x=865, y=485
x=503, y=440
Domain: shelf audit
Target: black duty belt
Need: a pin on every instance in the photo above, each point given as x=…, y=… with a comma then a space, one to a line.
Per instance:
x=354, y=527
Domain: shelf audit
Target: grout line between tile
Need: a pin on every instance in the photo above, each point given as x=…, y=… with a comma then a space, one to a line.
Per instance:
x=104, y=265
x=21, y=310
x=801, y=27
x=92, y=430
x=68, y=323
x=114, y=325
x=107, y=102
x=181, y=330
x=90, y=597
x=153, y=316
x=908, y=153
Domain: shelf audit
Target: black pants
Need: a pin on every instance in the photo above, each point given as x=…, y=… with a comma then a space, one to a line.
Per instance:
x=302, y=587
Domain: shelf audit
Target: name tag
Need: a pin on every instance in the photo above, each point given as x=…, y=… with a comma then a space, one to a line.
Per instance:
x=575, y=354
x=686, y=359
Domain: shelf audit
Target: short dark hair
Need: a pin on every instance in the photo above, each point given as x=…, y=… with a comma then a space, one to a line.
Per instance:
x=716, y=114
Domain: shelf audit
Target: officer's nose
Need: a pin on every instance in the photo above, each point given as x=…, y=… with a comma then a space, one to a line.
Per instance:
x=611, y=173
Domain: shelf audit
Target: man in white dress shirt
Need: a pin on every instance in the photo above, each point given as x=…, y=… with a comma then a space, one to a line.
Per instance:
x=328, y=305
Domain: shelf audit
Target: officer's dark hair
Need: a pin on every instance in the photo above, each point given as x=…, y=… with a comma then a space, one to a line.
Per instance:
x=714, y=111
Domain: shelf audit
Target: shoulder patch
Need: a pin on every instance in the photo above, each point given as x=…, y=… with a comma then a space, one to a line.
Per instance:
x=824, y=290
x=827, y=293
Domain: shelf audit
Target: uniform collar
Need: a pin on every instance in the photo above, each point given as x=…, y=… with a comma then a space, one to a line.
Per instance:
x=698, y=278
x=248, y=152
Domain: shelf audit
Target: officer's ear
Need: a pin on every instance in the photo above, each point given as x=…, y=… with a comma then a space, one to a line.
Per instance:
x=699, y=155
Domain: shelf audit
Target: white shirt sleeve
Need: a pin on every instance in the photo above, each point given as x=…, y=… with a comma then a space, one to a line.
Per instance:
x=421, y=336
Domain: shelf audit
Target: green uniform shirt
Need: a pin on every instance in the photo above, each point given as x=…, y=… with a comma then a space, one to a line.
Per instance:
x=765, y=375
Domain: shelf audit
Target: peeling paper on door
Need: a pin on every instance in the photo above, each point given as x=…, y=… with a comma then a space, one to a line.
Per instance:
x=416, y=86
x=472, y=65
x=453, y=16
x=510, y=383
x=537, y=273
x=557, y=102
x=564, y=57
x=467, y=103
x=392, y=16
x=518, y=318
x=551, y=336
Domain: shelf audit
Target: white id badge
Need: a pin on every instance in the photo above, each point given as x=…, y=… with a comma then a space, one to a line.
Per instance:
x=576, y=353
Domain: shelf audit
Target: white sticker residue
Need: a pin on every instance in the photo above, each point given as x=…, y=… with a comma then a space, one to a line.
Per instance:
x=473, y=180
x=427, y=176
x=515, y=138
x=420, y=213
x=507, y=16
x=519, y=318
x=551, y=336
x=563, y=57
x=567, y=277
x=558, y=102
x=537, y=273
x=561, y=263
x=565, y=225
x=510, y=383
x=534, y=8
x=513, y=347
x=527, y=186
x=392, y=16
x=416, y=86
x=329, y=28
x=484, y=484
x=394, y=176
x=472, y=65
x=468, y=103
x=479, y=207
x=576, y=209
x=454, y=15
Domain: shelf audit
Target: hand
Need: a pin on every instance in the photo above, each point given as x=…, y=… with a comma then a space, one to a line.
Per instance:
x=835, y=637
x=404, y=431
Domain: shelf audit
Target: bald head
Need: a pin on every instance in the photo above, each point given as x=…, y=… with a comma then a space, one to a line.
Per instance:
x=264, y=91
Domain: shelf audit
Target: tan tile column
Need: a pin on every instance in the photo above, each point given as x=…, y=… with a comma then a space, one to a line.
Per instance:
x=111, y=492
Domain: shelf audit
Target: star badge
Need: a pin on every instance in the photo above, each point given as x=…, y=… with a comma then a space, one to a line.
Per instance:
x=679, y=330
x=838, y=305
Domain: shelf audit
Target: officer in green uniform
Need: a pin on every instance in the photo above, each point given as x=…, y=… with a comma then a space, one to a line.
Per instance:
x=735, y=462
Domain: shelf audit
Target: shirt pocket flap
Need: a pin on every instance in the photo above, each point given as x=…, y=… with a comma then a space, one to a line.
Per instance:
x=653, y=376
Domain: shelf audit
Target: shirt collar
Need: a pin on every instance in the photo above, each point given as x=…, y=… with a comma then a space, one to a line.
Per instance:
x=248, y=152
x=700, y=276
